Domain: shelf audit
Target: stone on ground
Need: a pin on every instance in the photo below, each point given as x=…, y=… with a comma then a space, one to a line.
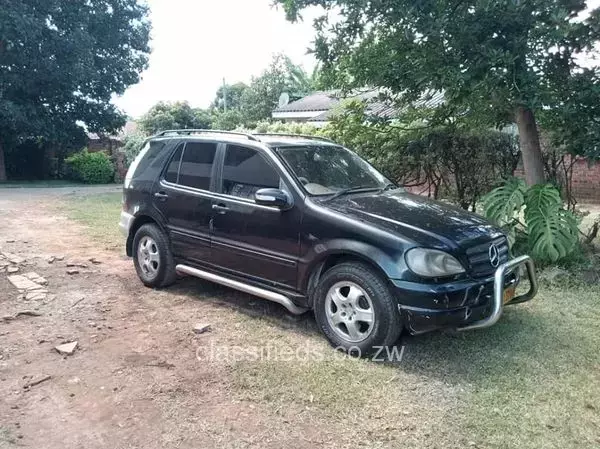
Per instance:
x=66, y=348
x=23, y=283
x=202, y=328
x=35, y=278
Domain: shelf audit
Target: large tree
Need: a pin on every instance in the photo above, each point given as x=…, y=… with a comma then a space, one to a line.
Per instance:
x=232, y=99
x=179, y=115
x=62, y=61
x=503, y=61
x=282, y=75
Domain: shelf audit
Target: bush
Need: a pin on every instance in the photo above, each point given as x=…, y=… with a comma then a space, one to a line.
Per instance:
x=132, y=146
x=446, y=161
x=91, y=168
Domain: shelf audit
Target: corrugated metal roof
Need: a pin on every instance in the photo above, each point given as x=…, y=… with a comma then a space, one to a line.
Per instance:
x=377, y=104
x=318, y=101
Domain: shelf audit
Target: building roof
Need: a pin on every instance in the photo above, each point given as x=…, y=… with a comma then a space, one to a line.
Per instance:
x=323, y=103
x=318, y=101
x=131, y=127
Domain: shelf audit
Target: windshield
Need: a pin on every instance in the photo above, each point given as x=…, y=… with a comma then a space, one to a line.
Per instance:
x=325, y=170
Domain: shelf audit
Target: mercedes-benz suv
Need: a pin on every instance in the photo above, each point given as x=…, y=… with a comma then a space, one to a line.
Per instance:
x=307, y=223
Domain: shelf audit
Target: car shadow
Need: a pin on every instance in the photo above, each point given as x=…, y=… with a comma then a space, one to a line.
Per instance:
x=249, y=305
x=449, y=355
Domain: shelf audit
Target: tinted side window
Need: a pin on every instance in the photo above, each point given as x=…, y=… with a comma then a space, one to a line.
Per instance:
x=145, y=157
x=245, y=171
x=172, y=172
x=196, y=164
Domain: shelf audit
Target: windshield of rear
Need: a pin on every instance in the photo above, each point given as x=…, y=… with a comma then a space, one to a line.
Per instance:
x=327, y=169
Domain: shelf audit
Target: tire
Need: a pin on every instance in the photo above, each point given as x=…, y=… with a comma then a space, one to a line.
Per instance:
x=345, y=325
x=154, y=260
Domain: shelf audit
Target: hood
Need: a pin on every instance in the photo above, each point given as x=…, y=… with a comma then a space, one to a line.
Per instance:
x=407, y=214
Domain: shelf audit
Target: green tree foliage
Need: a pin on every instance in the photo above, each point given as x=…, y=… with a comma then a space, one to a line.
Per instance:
x=235, y=93
x=262, y=96
x=549, y=232
x=228, y=120
x=61, y=62
x=497, y=61
x=178, y=115
x=450, y=162
x=91, y=168
x=132, y=146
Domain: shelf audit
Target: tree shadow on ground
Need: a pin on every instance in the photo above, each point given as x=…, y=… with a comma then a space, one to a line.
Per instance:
x=527, y=341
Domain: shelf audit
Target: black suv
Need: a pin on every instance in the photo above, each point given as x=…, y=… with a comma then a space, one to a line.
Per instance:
x=307, y=223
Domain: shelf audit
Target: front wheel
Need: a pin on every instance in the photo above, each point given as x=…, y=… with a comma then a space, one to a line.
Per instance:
x=356, y=310
x=152, y=257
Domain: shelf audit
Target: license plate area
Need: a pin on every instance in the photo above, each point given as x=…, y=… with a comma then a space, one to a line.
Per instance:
x=509, y=294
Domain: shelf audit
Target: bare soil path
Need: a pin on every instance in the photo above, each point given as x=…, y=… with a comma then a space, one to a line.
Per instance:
x=134, y=379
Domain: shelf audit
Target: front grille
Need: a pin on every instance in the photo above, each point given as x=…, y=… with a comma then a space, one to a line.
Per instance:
x=479, y=257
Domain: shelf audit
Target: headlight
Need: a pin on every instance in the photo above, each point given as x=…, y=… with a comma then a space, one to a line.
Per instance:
x=432, y=263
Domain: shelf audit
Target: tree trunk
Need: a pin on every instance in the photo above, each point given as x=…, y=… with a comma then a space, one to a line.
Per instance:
x=2, y=164
x=533, y=163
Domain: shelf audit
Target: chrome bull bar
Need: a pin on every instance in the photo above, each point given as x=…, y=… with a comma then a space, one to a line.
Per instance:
x=498, y=304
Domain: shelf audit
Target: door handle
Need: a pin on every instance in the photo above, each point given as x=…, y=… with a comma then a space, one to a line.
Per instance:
x=220, y=208
x=161, y=196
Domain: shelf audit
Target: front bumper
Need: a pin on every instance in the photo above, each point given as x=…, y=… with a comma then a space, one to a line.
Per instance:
x=463, y=305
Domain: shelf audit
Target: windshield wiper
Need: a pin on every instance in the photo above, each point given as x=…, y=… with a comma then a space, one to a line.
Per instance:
x=349, y=190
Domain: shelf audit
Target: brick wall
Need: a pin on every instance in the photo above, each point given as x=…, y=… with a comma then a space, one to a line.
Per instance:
x=586, y=180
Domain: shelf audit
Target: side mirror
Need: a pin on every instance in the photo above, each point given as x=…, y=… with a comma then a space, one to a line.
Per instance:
x=273, y=197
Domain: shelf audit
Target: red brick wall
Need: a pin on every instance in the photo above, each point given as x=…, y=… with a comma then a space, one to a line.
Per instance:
x=586, y=180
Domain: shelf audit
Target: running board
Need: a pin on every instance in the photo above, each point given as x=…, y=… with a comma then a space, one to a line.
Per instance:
x=243, y=287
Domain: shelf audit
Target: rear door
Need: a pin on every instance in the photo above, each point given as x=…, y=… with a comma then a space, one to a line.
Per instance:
x=249, y=239
x=184, y=199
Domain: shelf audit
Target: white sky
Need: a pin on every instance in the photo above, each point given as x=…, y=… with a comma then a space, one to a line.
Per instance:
x=195, y=43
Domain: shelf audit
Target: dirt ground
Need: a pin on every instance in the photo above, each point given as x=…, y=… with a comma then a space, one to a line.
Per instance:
x=141, y=378
x=134, y=380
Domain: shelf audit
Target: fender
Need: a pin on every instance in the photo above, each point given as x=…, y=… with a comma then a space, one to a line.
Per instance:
x=391, y=267
x=141, y=216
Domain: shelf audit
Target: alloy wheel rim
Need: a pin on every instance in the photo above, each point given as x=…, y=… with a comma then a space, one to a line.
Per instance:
x=350, y=311
x=148, y=257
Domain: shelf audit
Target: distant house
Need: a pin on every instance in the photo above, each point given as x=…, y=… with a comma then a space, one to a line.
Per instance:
x=318, y=107
x=109, y=143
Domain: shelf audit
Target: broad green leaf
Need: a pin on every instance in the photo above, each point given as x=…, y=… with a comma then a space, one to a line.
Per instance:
x=552, y=229
x=503, y=204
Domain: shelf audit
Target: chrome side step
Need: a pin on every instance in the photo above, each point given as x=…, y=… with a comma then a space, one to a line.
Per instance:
x=241, y=286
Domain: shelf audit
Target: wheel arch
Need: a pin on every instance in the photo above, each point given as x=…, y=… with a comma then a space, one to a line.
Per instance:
x=138, y=222
x=338, y=256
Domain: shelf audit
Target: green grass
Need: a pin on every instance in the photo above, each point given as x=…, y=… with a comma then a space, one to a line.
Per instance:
x=531, y=381
x=100, y=214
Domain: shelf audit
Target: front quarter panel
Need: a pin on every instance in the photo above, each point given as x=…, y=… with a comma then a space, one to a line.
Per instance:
x=326, y=233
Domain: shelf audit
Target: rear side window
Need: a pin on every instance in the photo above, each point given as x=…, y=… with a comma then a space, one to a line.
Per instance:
x=145, y=157
x=196, y=164
x=172, y=172
x=245, y=171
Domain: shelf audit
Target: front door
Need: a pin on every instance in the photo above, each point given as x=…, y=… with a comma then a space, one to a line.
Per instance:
x=247, y=238
x=183, y=197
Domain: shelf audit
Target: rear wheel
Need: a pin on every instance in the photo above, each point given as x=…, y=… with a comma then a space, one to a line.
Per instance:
x=356, y=310
x=152, y=257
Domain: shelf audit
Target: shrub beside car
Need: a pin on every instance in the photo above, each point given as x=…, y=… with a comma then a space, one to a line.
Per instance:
x=90, y=168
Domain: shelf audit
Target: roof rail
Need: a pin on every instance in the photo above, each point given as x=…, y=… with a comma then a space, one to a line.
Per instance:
x=204, y=131
x=304, y=136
